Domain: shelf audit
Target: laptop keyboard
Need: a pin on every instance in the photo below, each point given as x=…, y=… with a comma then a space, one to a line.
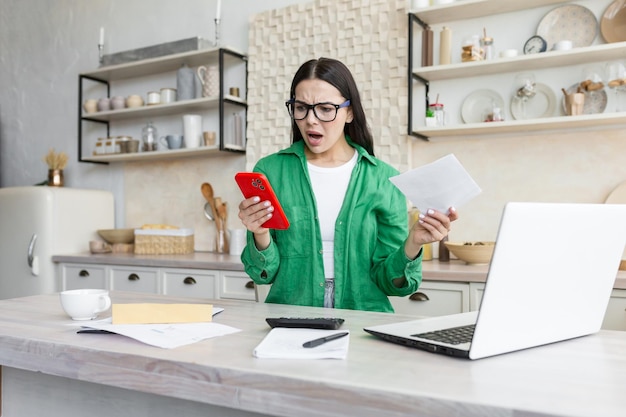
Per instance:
x=453, y=335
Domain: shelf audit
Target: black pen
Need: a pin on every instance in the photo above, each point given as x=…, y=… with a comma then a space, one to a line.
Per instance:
x=322, y=340
x=94, y=331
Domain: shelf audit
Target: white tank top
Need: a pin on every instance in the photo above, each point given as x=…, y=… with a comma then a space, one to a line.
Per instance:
x=330, y=186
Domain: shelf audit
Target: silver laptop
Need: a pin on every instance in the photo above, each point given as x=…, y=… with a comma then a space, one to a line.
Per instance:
x=550, y=279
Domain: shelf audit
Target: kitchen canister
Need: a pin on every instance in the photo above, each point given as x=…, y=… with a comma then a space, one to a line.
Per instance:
x=210, y=79
x=186, y=83
x=168, y=95
x=192, y=130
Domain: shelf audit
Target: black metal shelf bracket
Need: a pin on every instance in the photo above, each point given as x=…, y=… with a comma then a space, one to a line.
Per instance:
x=413, y=19
x=82, y=119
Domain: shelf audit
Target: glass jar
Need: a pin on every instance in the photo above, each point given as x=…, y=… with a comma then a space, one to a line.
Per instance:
x=438, y=113
x=486, y=48
x=149, y=138
x=471, y=49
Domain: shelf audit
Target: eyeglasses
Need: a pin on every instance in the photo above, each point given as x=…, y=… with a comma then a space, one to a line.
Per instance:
x=325, y=112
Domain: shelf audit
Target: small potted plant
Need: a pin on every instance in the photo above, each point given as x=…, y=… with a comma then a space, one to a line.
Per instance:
x=431, y=121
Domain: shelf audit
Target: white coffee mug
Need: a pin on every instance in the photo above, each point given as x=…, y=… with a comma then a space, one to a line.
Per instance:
x=192, y=130
x=85, y=304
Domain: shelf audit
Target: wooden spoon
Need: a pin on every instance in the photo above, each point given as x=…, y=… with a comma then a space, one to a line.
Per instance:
x=207, y=192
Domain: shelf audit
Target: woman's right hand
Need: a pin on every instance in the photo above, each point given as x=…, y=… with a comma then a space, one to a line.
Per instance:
x=253, y=213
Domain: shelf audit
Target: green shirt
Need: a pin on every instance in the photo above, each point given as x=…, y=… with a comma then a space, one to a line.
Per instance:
x=370, y=232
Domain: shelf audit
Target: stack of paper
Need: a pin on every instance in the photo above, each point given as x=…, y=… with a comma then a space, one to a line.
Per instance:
x=164, y=325
x=167, y=336
x=284, y=343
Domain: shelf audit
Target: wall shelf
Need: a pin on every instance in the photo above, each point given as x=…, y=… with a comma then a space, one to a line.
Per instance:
x=198, y=104
x=155, y=155
x=544, y=60
x=470, y=9
x=224, y=58
x=603, y=120
x=162, y=64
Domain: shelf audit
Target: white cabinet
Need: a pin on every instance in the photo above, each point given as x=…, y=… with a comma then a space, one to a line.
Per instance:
x=237, y=285
x=615, y=318
x=75, y=276
x=434, y=299
x=476, y=290
x=140, y=77
x=557, y=60
x=184, y=282
x=191, y=283
x=136, y=279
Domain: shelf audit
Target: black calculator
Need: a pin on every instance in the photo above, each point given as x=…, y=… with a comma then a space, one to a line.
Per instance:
x=326, y=323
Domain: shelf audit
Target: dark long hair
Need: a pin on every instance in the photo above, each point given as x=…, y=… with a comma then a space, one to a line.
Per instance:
x=338, y=75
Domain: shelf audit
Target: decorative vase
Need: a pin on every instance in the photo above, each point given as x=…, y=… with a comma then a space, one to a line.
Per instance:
x=186, y=83
x=55, y=177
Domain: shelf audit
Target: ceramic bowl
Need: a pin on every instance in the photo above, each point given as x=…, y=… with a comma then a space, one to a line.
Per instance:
x=98, y=246
x=472, y=252
x=113, y=236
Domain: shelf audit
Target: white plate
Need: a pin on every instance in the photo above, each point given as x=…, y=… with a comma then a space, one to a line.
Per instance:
x=542, y=104
x=570, y=22
x=478, y=104
x=595, y=101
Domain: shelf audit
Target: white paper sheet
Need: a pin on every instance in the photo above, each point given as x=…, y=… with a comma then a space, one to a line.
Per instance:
x=439, y=185
x=166, y=336
x=285, y=343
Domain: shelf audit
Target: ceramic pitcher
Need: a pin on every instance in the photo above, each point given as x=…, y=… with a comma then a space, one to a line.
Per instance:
x=210, y=79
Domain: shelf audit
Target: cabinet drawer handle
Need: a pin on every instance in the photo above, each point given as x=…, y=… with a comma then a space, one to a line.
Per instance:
x=133, y=277
x=418, y=296
x=189, y=281
x=250, y=284
x=83, y=273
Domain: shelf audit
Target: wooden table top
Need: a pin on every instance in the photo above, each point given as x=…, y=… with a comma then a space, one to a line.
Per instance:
x=582, y=377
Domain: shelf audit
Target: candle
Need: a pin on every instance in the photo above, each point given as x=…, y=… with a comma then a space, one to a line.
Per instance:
x=101, y=36
x=218, y=12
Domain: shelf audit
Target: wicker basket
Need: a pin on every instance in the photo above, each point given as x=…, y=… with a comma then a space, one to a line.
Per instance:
x=164, y=242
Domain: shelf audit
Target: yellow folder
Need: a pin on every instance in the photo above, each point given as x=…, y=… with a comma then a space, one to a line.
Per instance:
x=147, y=313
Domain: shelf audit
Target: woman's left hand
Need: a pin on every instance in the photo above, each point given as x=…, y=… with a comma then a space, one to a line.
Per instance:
x=432, y=226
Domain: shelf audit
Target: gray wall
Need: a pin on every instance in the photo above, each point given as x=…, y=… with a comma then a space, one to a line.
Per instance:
x=45, y=44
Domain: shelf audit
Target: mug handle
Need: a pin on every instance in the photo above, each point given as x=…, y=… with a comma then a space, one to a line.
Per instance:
x=105, y=303
x=163, y=141
x=201, y=71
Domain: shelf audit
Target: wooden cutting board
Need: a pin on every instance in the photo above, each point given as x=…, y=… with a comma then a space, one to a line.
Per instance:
x=618, y=196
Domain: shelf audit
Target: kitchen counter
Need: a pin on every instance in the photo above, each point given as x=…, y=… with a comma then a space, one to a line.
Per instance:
x=196, y=260
x=49, y=369
x=455, y=271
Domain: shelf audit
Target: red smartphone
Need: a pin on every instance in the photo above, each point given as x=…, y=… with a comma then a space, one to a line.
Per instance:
x=254, y=184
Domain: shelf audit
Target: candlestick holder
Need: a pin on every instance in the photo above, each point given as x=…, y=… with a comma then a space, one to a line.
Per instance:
x=100, y=52
x=217, y=32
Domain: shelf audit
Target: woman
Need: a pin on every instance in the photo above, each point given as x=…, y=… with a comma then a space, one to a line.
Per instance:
x=347, y=246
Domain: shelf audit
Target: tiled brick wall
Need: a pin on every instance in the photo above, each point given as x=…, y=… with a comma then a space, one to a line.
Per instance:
x=369, y=36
